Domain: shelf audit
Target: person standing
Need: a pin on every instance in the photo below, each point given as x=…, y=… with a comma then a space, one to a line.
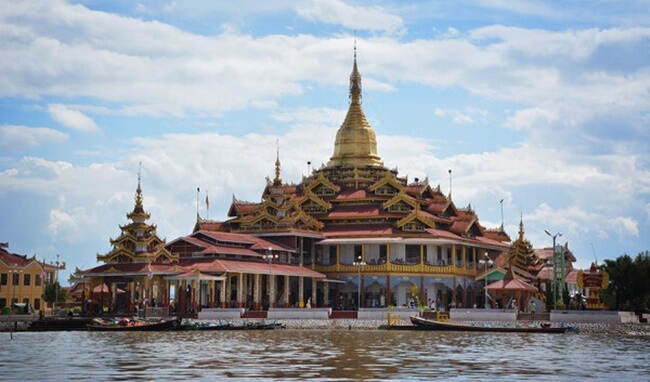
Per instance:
x=532, y=307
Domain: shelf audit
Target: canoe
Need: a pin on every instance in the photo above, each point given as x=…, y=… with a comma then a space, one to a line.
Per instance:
x=141, y=326
x=425, y=324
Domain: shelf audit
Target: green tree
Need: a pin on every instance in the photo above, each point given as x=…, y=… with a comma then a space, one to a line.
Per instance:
x=629, y=288
x=549, y=296
x=53, y=291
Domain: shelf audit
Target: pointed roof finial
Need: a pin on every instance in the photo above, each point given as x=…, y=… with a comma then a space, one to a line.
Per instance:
x=138, y=192
x=449, y=184
x=277, y=181
x=355, y=80
x=521, y=226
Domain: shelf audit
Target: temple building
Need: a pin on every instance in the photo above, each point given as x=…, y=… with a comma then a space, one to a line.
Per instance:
x=379, y=239
x=204, y=269
x=352, y=234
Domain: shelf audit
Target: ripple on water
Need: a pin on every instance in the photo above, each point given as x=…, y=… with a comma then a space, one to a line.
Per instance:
x=324, y=355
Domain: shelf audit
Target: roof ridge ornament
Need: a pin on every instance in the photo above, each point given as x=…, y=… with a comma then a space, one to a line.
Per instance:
x=277, y=181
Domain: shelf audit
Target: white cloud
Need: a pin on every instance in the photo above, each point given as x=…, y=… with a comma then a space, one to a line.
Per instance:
x=525, y=7
x=374, y=19
x=72, y=119
x=20, y=138
x=455, y=115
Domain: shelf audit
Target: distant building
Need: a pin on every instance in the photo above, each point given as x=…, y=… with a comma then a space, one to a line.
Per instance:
x=23, y=279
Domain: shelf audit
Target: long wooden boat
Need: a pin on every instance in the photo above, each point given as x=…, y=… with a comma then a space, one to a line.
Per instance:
x=425, y=324
x=140, y=326
x=249, y=326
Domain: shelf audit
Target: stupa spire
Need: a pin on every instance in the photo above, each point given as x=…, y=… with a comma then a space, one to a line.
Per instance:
x=277, y=181
x=356, y=142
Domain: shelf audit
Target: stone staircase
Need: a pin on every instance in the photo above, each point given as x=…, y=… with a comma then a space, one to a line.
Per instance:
x=343, y=314
x=255, y=314
x=538, y=317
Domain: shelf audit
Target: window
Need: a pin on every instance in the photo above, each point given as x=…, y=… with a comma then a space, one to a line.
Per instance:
x=3, y=279
x=38, y=280
x=3, y=302
x=412, y=254
x=27, y=280
x=15, y=280
x=37, y=303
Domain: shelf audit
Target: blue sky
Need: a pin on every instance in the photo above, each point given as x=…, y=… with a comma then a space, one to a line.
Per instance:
x=545, y=105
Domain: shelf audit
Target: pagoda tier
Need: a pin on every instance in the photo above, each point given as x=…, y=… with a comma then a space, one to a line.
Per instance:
x=138, y=241
x=355, y=195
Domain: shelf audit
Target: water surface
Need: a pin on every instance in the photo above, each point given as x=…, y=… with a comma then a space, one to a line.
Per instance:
x=323, y=355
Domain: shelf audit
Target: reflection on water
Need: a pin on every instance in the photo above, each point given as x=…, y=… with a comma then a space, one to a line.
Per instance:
x=304, y=354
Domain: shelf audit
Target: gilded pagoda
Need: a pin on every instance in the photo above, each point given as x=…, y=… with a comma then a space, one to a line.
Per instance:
x=379, y=239
x=352, y=234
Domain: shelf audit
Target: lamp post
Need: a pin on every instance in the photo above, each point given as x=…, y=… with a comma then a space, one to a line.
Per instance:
x=487, y=261
x=554, y=267
x=359, y=264
x=14, y=280
x=270, y=257
x=56, y=283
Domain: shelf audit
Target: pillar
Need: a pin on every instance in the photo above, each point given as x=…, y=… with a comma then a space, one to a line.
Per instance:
x=241, y=300
x=257, y=292
x=211, y=293
x=314, y=303
x=224, y=284
x=301, y=291
x=286, y=291
x=132, y=301
x=271, y=291
x=326, y=294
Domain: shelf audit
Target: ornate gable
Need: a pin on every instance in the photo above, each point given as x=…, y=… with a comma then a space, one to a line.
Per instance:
x=387, y=185
x=321, y=186
x=415, y=221
x=400, y=203
x=311, y=203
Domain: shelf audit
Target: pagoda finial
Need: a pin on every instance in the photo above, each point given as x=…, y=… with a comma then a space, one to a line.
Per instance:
x=521, y=226
x=277, y=181
x=138, y=192
x=355, y=80
x=356, y=142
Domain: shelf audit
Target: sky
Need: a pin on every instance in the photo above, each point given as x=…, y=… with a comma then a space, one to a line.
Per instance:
x=544, y=105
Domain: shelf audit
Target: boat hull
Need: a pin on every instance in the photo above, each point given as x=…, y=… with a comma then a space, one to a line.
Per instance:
x=174, y=324
x=238, y=327
x=425, y=324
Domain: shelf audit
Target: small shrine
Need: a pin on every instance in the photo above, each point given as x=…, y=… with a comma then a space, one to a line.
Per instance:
x=591, y=283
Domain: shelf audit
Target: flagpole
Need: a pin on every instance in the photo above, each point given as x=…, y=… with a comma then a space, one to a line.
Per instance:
x=207, y=205
x=198, y=190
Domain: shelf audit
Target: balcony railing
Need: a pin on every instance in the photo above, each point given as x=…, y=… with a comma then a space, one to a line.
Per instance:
x=398, y=268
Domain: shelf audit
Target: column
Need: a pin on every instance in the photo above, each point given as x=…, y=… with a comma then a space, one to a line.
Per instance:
x=113, y=302
x=271, y=291
x=133, y=303
x=314, y=303
x=286, y=291
x=301, y=291
x=257, y=292
x=211, y=293
x=326, y=294
x=193, y=296
x=224, y=291
x=241, y=300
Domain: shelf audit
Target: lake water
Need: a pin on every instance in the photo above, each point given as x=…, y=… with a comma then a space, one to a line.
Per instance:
x=323, y=355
